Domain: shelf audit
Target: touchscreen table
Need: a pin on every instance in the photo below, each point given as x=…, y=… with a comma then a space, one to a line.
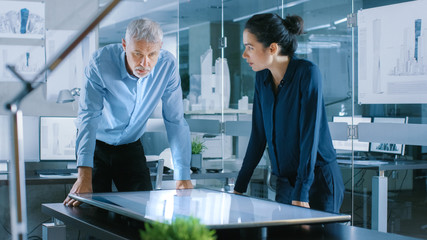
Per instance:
x=216, y=210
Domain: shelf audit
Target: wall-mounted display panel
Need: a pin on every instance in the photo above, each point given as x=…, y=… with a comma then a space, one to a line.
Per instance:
x=393, y=54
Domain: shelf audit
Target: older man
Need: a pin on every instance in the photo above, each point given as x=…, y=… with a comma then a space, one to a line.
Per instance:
x=123, y=85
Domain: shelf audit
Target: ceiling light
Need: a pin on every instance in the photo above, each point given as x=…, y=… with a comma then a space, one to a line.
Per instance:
x=319, y=27
x=329, y=38
x=328, y=26
x=340, y=21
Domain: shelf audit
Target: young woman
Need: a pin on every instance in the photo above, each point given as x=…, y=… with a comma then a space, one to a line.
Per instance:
x=289, y=117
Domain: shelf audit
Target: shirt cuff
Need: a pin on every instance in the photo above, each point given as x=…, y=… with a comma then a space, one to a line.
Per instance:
x=82, y=162
x=240, y=186
x=301, y=192
x=181, y=174
x=239, y=189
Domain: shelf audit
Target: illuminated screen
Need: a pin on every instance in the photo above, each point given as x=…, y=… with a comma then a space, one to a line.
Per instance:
x=392, y=148
x=57, y=138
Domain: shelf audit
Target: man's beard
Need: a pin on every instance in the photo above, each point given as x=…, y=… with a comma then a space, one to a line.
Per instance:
x=139, y=68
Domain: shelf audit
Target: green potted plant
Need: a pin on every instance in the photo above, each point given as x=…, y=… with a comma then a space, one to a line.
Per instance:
x=197, y=148
x=180, y=229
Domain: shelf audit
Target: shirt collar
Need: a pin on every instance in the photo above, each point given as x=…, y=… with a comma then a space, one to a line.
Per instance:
x=124, y=72
x=289, y=71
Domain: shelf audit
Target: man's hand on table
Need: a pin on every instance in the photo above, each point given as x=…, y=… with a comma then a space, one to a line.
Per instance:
x=184, y=184
x=82, y=185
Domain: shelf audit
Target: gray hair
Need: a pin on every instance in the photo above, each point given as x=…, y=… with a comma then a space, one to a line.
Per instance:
x=144, y=29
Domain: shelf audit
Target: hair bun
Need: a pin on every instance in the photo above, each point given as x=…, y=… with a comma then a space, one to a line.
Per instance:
x=294, y=24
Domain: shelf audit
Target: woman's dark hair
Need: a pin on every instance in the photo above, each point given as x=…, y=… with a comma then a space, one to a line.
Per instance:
x=271, y=28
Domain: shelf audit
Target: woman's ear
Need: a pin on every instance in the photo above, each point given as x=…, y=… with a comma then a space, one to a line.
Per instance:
x=274, y=48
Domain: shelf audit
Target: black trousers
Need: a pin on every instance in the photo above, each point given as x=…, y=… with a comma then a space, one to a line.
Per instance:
x=326, y=192
x=126, y=165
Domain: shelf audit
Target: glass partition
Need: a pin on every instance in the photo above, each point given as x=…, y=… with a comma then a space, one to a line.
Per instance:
x=328, y=43
x=389, y=87
x=331, y=41
x=206, y=75
x=218, y=90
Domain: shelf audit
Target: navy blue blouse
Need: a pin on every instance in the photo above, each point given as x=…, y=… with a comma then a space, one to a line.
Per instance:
x=293, y=124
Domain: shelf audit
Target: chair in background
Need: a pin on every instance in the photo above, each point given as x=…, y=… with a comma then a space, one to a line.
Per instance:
x=156, y=170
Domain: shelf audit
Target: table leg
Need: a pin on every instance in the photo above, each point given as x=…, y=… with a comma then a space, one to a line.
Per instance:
x=379, y=202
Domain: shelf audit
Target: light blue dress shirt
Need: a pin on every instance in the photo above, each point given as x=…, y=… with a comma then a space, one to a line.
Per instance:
x=115, y=106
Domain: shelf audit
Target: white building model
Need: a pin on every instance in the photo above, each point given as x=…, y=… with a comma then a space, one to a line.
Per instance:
x=213, y=83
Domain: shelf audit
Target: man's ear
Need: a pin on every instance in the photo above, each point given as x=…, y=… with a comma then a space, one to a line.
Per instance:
x=124, y=44
x=274, y=48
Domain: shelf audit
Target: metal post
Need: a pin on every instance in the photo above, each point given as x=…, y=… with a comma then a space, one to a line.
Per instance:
x=379, y=203
x=17, y=197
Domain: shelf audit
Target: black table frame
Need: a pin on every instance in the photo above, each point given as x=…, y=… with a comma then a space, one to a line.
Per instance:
x=106, y=225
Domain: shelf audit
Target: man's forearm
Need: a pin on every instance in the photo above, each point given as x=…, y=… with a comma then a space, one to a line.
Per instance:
x=85, y=174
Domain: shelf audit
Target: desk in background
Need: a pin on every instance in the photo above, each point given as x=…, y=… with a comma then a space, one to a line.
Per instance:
x=37, y=180
x=380, y=184
x=33, y=179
